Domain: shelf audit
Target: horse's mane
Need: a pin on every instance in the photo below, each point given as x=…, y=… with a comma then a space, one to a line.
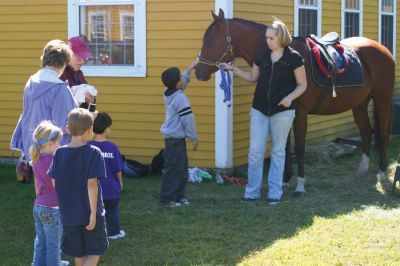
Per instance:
x=258, y=26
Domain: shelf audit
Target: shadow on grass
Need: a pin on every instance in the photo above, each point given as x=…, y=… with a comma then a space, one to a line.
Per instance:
x=217, y=229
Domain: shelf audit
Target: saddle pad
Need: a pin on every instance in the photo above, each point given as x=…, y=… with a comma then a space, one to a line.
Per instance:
x=353, y=76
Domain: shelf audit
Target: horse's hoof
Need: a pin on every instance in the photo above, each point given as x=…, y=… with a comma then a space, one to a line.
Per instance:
x=298, y=194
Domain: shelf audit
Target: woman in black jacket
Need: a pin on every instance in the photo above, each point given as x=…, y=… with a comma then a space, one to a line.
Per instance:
x=280, y=75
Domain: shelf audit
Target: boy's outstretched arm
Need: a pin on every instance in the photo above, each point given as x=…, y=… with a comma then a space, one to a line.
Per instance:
x=192, y=65
x=186, y=74
x=93, y=191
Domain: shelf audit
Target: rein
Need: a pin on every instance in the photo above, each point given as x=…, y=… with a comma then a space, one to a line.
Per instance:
x=229, y=49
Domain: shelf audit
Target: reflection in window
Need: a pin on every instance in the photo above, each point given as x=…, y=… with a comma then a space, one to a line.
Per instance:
x=110, y=32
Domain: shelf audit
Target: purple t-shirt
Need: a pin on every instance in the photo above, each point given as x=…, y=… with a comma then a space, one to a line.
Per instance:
x=110, y=186
x=45, y=194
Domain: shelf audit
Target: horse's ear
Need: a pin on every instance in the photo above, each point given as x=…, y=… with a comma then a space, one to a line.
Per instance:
x=215, y=17
x=220, y=17
x=221, y=14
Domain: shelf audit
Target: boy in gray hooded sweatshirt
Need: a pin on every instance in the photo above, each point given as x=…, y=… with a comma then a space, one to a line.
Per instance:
x=179, y=124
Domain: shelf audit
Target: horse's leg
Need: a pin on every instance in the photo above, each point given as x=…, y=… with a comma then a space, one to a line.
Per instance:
x=361, y=118
x=382, y=113
x=300, y=131
x=288, y=172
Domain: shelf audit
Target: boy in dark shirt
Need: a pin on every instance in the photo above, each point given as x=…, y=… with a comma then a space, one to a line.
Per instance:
x=112, y=185
x=75, y=170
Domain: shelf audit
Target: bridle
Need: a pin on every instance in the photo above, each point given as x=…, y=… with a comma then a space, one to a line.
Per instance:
x=229, y=49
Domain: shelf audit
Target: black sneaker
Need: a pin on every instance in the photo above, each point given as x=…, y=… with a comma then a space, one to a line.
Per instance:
x=273, y=201
x=244, y=199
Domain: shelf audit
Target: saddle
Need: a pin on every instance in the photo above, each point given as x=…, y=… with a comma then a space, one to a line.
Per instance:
x=333, y=64
x=329, y=55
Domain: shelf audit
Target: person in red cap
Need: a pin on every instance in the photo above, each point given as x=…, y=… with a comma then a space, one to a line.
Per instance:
x=73, y=72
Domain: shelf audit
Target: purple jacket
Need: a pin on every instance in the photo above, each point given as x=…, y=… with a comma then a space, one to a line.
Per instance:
x=46, y=97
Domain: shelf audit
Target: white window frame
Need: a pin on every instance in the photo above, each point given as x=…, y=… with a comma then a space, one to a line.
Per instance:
x=139, y=69
x=394, y=24
x=360, y=17
x=298, y=6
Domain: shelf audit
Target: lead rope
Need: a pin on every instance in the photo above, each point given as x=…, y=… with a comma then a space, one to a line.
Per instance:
x=225, y=85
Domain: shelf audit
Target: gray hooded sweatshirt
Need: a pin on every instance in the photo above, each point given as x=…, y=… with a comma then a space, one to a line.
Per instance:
x=179, y=118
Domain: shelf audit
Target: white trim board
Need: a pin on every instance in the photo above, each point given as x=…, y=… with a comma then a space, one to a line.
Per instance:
x=223, y=114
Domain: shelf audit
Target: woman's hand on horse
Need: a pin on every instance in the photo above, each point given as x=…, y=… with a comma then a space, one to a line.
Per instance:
x=227, y=67
x=286, y=102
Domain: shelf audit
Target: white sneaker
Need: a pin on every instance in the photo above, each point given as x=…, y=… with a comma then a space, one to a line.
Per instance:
x=120, y=235
x=64, y=262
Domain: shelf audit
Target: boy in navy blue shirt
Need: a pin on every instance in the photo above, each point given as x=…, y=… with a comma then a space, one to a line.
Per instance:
x=75, y=170
x=112, y=185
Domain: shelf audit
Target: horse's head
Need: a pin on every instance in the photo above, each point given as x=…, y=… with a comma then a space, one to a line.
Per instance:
x=216, y=47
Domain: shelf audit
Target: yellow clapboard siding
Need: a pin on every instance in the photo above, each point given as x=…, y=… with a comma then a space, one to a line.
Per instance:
x=43, y=34
x=182, y=7
x=41, y=3
x=183, y=16
x=156, y=44
x=29, y=9
x=50, y=18
x=33, y=27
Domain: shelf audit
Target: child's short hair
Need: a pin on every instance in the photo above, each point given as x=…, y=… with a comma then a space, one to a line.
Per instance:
x=56, y=53
x=170, y=77
x=101, y=122
x=79, y=121
x=43, y=133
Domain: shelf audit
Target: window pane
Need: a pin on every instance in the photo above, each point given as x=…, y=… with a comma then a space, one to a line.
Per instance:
x=309, y=2
x=387, y=6
x=307, y=22
x=110, y=32
x=351, y=25
x=352, y=4
x=387, y=32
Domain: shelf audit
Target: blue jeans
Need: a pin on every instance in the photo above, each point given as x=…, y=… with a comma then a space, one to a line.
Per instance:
x=278, y=126
x=48, y=236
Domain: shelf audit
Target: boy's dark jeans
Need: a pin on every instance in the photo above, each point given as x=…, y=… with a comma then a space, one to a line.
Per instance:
x=112, y=216
x=175, y=172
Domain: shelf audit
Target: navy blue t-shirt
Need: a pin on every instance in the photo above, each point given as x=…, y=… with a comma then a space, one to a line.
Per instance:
x=71, y=169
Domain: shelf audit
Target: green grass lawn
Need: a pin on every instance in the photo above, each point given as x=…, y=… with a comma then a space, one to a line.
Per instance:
x=343, y=220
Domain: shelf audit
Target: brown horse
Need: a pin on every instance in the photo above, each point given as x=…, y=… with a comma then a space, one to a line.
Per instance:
x=226, y=39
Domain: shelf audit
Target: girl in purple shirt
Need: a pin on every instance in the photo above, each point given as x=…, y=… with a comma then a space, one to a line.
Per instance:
x=45, y=210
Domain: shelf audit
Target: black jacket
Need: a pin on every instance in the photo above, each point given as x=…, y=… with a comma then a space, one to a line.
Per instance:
x=276, y=80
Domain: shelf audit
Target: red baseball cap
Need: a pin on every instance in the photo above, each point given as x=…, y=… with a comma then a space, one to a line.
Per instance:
x=80, y=47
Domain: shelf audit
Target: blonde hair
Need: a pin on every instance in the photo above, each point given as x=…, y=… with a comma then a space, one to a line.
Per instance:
x=43, y=133
x=79, y=121
x=282, y=31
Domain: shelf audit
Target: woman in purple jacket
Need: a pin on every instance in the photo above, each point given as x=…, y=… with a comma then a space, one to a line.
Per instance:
x=46, y=97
